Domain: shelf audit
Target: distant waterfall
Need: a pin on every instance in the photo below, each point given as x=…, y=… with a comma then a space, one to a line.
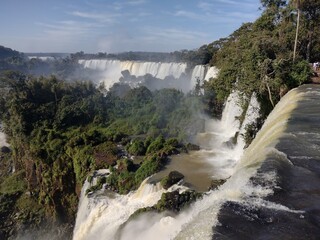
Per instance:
x=211, y=73
x=251, y=117
x=198, y=73
x=231, y=113
x=112, y=71
x=156, y=69
x=3, y=141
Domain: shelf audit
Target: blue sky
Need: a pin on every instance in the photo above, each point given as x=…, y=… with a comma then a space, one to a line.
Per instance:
x=119, y=25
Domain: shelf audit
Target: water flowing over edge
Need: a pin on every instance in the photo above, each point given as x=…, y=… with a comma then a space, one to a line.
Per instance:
x=3, y=141
x=112, y=71
x=100, y=211
x=238, y=188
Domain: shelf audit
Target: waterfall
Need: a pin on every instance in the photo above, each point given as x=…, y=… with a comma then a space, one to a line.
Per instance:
x=244, y=190
x=111, y=71
x=3, y=141
x=283, y=159
x=197, y=73
x=251, y=117
x=106, y=214
x=211, y=73
x=230, y=122
x=201, y=220
x=156, y=69
x=101, y=214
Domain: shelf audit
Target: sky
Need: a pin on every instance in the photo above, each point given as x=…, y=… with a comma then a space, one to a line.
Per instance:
x=120, y=25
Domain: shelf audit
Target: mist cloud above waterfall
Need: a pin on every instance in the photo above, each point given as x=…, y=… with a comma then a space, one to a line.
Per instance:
x=117, y=26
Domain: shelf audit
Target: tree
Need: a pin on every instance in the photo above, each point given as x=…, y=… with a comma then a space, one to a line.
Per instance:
x=297, y=29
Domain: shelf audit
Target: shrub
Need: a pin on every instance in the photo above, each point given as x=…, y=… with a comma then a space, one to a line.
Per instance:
x=156, y=145
x=171, y=179
x=137, y=148
x=148, y=167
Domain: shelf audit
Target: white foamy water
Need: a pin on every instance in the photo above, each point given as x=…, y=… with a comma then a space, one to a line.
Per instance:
x=251, y=116
x=237, y=188
x=106, y=214
x=197, y=222
x=3, y=141
x=101, y=214
x=112, y=71
x=211, y=73
x=113, y=68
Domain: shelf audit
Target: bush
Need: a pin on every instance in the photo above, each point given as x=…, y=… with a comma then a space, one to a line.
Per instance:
x=173, y=178
x=137, y=148
x=98, y=186
x=156, y=145
x=174, y=201
x=14, y=183
x=148, y=167
x=105, y=154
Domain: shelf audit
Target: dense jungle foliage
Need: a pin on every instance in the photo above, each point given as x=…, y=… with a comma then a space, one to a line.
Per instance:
x=259, y=57
x=61, y=131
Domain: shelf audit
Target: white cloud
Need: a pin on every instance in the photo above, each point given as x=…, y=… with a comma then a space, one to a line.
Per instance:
x=152, y=39
x=175, y=34
x=249, y=5
x=136, y=2
x=105, y=18
x=65, y=28
x=131, y=3
x=187, y=14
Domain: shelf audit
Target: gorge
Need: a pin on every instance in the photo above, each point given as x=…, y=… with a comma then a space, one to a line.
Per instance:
x=217, y=142
x=258, y=186
x=275, y=181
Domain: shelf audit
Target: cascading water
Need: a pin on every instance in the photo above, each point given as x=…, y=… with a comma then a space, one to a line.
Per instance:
x=198, y=221
x=112, y=71
x=281, y=197
x=211, y=73
x=273, y=192
x=251, y=116
x=198, y=73
x=104, y=215
x=275, y=181
x=3, y=141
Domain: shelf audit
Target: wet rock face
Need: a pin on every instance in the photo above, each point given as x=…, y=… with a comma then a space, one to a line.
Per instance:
x=5, y=149
x=237, y=221
x=192, y=147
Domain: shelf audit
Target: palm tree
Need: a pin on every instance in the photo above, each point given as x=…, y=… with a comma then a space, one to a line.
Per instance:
x=297, y=29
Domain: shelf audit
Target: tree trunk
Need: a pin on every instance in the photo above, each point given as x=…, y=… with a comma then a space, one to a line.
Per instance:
x=309, y=45
x=297, y=31
x=270, y=95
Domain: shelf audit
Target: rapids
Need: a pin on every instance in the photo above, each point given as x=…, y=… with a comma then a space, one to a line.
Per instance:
x=282, y=165
x=272, y=193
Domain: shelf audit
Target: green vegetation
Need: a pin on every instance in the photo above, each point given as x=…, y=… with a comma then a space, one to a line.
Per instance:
x=258, y=57
x=171, y=179
x=170, y=201
x=61, y=131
